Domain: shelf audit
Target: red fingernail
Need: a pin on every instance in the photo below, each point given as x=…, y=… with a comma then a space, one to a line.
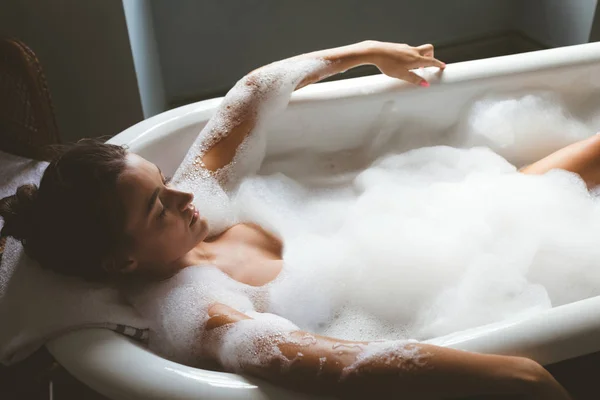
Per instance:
x=424, y=84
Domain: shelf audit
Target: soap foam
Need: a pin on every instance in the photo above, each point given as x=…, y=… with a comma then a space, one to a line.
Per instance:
x=401, y=355
x=539, y=124
x=253, y=342
x=178, y=309
x=437, y=239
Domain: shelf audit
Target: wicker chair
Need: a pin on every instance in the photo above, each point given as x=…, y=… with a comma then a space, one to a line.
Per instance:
x=27, y=127
x=27, y=123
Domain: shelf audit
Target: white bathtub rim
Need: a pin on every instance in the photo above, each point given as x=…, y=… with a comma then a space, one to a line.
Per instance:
x=97, y=358
x=513, y=336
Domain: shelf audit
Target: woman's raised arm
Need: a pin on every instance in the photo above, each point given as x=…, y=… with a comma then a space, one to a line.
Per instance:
x=304, y=361
x=264, y=90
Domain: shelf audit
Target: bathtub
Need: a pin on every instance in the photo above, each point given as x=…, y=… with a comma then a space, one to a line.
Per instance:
x=334, y=118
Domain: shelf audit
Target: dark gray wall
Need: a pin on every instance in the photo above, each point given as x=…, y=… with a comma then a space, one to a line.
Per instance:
x=205, y=46
x=557, y=23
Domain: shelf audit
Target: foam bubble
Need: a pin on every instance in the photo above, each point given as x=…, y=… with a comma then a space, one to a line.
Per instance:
x=539, y=124
x=437, y=239
x=402, y=355
x=178, y=309
x=253, y=342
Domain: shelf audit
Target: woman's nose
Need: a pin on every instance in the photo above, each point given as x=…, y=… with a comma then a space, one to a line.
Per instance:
x=184, y=200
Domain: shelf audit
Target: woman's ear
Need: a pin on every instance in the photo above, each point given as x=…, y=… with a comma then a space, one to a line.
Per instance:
x=128, y=266
x=120, y=266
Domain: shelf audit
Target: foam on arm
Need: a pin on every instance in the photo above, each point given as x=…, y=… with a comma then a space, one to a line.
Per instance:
x=272, y=348
x=251, y=104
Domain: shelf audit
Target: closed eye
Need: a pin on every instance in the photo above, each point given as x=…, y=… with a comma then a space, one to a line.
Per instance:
x=163, y=213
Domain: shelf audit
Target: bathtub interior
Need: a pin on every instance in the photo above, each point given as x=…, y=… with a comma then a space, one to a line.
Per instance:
x=325, y=128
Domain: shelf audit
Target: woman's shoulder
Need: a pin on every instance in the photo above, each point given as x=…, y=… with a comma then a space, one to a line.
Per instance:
x=194, y=286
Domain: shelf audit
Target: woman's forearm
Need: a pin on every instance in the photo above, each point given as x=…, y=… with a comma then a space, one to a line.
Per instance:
x=306, y=361
x=413, y=369
x=335, y=61
x=266, y=91
x=392, y=59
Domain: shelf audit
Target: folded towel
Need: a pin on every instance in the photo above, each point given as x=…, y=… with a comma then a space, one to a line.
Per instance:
x=37, y=305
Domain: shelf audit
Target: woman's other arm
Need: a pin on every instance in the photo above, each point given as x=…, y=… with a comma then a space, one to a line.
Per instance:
x=358, y=369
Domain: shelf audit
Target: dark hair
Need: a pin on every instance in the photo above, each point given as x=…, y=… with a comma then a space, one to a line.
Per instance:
x=74, y=222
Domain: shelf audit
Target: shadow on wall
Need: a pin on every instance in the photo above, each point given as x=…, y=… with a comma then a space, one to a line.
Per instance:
x=84, y=49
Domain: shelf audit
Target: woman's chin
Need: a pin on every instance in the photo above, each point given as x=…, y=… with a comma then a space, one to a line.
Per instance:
x=201, y=230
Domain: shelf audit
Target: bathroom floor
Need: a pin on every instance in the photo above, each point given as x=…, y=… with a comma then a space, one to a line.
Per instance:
x=579, y=376
x=41, y=378
x=32, y=381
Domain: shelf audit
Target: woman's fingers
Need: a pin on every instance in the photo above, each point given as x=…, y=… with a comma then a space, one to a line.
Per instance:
x=414, y=78
x=426, y=50
x=431, y=62
x=398, y=64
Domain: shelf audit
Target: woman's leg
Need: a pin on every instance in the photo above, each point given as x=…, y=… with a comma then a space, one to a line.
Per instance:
x=582, y=157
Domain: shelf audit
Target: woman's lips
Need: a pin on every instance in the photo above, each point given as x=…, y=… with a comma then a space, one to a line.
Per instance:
x=194, y=218
x=195, y=215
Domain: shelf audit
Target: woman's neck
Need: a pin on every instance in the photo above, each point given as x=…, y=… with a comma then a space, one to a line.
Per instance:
x=201, y=254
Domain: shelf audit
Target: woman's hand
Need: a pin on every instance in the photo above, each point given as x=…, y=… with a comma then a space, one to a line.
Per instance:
x=396, y=60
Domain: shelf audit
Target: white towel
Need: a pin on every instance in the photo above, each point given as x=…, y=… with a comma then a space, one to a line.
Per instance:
x=36, y=304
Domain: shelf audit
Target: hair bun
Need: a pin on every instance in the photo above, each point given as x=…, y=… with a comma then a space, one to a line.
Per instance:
x=17, y=212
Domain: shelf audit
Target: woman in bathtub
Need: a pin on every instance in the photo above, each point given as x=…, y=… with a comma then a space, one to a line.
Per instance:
x=104, y=214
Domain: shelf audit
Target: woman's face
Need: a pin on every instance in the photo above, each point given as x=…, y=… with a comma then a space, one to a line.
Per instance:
x=162, y=221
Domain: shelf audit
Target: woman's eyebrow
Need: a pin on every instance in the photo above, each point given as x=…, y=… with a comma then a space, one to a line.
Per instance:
x=154, y=195
x=152, y=201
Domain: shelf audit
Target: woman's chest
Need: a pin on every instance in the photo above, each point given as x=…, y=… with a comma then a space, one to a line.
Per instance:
x=248, y=254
